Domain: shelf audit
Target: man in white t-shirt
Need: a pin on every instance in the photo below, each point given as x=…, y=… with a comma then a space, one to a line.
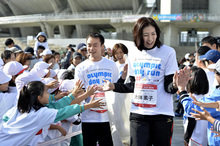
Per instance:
x=95, y=122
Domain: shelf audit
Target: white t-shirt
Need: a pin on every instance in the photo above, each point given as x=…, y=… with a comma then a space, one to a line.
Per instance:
x=7, y=101
x=21, y=128
x=91, y=73
x=120, y=68
x=149, y=69
x=211, y=77
x=71, y=67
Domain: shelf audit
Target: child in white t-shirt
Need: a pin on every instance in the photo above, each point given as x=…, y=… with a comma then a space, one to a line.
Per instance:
x=7, y=98
x=31, y=115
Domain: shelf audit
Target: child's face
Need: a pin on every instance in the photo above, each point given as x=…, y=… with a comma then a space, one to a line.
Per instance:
x=41, y=38
x=39, y=51
x=45, y=98
x=4, y=87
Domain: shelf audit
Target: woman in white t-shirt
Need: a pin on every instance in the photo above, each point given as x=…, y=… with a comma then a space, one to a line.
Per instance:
x=151, y=71
x=31, y=114
x=119, y=52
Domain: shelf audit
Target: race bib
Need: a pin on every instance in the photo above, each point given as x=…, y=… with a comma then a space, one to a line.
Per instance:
x=100, y=95
x=145, y=95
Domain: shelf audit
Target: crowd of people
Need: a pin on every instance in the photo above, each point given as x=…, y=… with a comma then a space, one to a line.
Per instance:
x=45, y=94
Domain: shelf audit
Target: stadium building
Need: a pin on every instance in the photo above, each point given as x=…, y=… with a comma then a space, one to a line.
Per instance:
x=183, y=23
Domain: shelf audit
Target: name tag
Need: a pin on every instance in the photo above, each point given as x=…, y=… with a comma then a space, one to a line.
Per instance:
x=100, y=95
x=145, y=95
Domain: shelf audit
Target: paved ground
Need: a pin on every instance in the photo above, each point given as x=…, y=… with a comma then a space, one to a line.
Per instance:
x=177, y=139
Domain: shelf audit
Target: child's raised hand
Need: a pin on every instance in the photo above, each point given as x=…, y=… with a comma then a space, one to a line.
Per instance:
x=52, y=84
x=91, y=90
x=78, y=88
x=96, y=103
x=217, y=133
x=201, y=115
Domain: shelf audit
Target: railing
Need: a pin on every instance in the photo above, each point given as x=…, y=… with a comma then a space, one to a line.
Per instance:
x=63, y=16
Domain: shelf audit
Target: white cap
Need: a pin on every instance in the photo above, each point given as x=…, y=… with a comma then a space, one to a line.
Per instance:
x=25, y=78
x=14, y=68
x=4, y=78
x=60, y=73
x=40, y=72
x=52, y=73
x=46, y=52
x=42, y=64
x=67, y=85
x=187, y=55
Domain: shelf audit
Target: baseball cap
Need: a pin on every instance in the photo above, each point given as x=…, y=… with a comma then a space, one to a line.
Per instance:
x=46, y=52
x=212, y=55
x=187, y=55
x=14, y=68
x=52, y=73
x=12, y=49
x=40, y=72
x=81, y=46
x=67, y=85
x=4, y=78
x=25, y=78
x=29, y=50
x=42, y=64
x=217, y=66
x=77, y=54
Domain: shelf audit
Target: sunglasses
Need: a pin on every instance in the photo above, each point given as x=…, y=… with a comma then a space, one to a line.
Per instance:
x=84, y=50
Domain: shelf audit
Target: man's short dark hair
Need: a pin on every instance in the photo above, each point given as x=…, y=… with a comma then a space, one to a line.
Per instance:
x=8, y=42
x=41, y=47
x=209, y=39
x=97, y=35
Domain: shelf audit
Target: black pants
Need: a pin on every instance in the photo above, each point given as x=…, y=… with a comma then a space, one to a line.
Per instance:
x=154, y=130
x=93, y=132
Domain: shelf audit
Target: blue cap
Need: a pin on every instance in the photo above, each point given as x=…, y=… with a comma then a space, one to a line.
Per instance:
x=212, y=55
x=81, y=46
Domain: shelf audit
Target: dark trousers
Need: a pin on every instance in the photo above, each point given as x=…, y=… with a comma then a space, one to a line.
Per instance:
x=148, y=130
x=93, y=132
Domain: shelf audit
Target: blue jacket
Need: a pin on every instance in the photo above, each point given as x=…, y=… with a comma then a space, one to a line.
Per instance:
x=187, y=103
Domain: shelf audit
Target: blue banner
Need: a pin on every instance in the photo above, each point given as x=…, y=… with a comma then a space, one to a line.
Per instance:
x=172, y=17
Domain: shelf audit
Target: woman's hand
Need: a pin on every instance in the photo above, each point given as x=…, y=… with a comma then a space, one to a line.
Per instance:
x=107, y=86
x=124, y=72
x=183, y=78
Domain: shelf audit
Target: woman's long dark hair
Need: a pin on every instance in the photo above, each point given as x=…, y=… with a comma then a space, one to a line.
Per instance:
x=138, y=32
x=28, y=98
